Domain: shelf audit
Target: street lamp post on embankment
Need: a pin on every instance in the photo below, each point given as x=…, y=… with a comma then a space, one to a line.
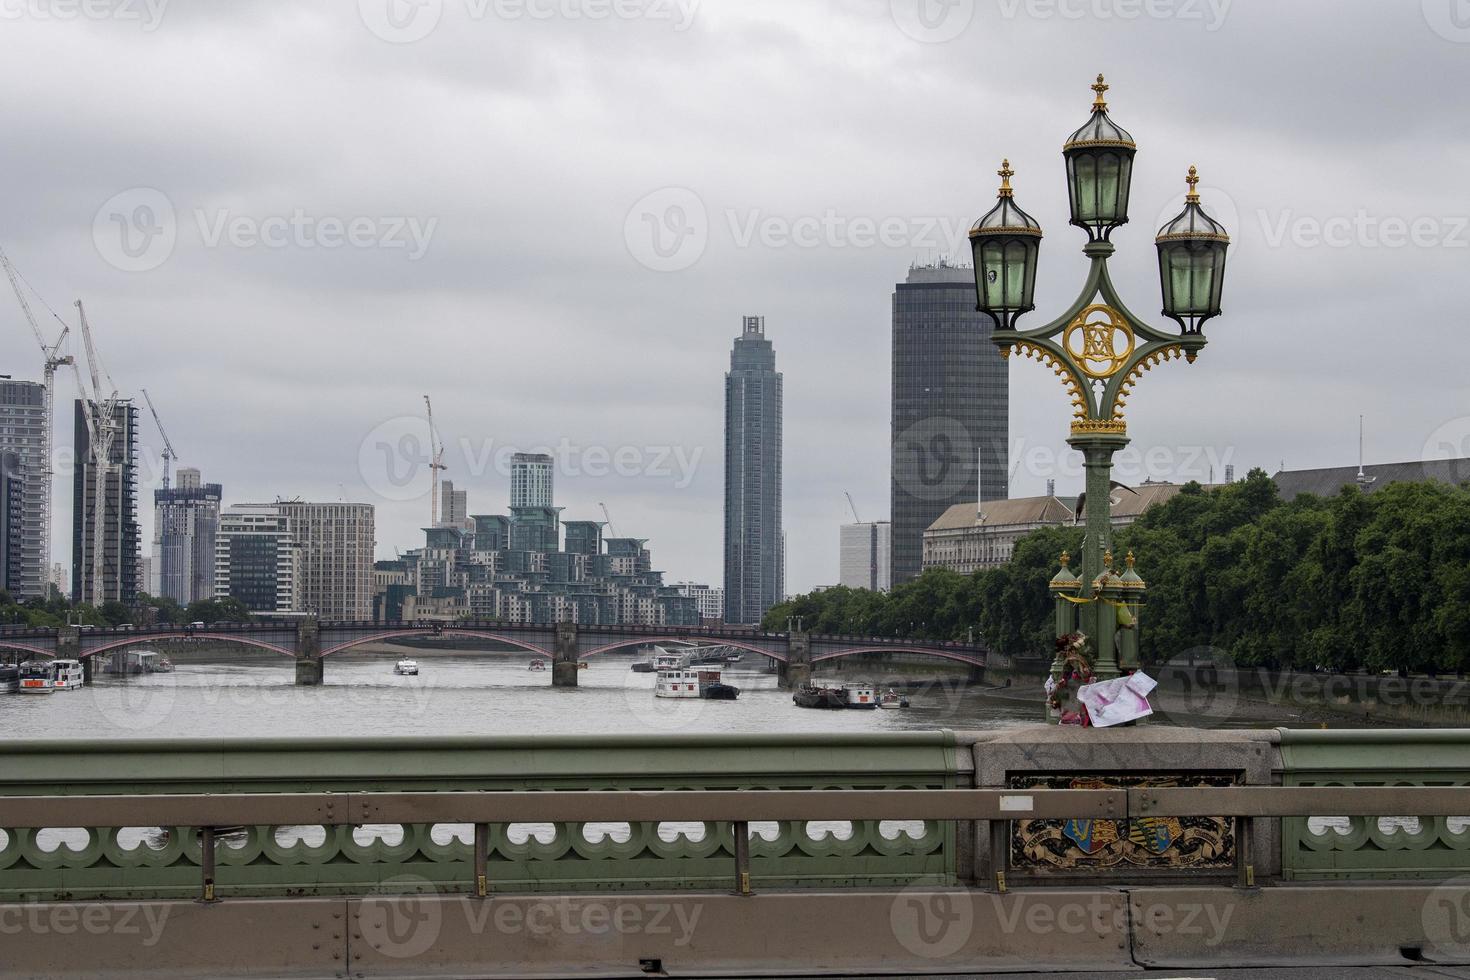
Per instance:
x=1099, y=349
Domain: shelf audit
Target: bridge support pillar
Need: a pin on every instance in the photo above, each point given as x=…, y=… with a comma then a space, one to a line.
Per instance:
x=564, y=656
x=797, y=670
x=309, y=668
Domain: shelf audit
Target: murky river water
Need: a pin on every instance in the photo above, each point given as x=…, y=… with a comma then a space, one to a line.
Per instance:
x=462, y=694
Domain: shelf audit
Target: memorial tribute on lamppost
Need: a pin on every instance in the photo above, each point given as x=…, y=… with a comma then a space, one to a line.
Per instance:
x=1099, y=349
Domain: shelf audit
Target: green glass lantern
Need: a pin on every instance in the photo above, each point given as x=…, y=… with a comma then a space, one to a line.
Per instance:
x=1192, y=263
x=1005, y=243
x=1099, y=171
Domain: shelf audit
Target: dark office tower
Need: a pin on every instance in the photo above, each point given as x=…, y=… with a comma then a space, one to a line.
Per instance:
x=12, y=523
x=119, y=508
x=753, y=559
x=951, y=407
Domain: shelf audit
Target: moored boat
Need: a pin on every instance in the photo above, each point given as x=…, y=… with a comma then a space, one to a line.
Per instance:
x=67, y=675
x=812, y=696
x=892, y=699
x=681, y=682
x=36, y=677
x=859, y=697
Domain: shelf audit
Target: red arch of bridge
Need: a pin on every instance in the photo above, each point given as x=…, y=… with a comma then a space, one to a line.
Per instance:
x=28, y=649
x=191, y=635
x=428, y=631
x=953, y=655
x=691, y=638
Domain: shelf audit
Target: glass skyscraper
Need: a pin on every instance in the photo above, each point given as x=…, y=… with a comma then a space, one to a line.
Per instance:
x=950, y=407
x=753, y=559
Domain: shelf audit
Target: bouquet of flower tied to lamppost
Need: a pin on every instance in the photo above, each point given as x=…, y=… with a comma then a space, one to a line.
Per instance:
x=1080, y=699
x=1076, y=672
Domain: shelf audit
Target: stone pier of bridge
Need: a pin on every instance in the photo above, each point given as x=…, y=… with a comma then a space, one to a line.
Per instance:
x=309, y=666
x=797, y=670
x=564, y=656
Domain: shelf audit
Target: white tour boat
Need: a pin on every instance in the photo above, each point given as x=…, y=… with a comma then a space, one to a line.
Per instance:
x=406, y=666
x=37, y=677
x=680, y=682
x=67, y=675
x=537, y=664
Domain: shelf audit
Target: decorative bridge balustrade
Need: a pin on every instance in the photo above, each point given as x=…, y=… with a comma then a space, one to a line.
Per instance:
x=1371, y=846
x=82, y=820
x=290, y=828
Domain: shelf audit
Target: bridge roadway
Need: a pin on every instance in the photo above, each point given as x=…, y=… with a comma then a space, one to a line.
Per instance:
x=309, y=641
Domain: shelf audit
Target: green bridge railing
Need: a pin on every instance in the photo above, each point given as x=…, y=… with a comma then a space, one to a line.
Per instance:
x=90, y=861
x=1328, y=847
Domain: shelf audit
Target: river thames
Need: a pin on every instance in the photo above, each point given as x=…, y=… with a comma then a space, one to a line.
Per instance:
x=490, y=693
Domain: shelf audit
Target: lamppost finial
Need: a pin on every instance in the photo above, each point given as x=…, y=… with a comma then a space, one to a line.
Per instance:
x=1006, y=173
x=1192, y=179
x=1099, y=104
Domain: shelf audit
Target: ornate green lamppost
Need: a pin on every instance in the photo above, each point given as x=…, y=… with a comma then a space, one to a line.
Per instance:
x=1099, y=349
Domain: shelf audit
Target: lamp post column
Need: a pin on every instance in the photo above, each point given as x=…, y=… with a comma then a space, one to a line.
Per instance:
x=1097, y=457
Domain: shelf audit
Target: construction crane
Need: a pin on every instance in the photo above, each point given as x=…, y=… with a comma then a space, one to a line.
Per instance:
x=168, y=448
x=608, y=517
x=53, y=359
x=101, y=431
x=436, y=463
x=852, y=507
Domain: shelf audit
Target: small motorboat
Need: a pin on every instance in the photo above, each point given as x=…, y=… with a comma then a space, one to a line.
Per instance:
x=537, y=664
x=406, y=667
x=892, y=699
x=720, y=691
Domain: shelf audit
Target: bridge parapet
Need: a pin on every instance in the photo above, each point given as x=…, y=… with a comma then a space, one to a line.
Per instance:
x=694, y=853
x=1139, y=802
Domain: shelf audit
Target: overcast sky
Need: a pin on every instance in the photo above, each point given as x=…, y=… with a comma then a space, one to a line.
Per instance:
x=289, y=221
